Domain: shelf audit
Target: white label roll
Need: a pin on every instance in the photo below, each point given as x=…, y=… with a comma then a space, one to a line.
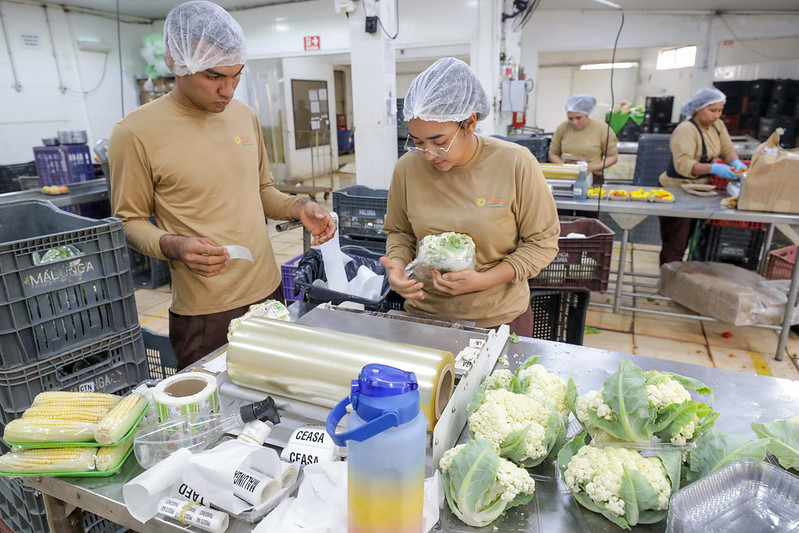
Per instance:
x=181, y=394
x=194, y=514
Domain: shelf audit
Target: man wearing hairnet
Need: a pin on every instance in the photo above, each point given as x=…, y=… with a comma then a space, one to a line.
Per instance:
x=196, y=160
x=694, y=144
x=455, y=180
x=581, y=138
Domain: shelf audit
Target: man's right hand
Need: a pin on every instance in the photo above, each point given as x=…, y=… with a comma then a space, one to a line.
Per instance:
x=400, y=283
x=201, y=255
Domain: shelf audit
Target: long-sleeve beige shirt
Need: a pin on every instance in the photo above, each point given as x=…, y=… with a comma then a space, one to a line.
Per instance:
x=686, y=145
x=501, y=199
x=588, y=143
x=201, y=174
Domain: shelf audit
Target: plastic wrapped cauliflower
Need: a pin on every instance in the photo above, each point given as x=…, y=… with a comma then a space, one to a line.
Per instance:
x=621, y=484
x=634, y=406
x=268, y=309
x=446, y=252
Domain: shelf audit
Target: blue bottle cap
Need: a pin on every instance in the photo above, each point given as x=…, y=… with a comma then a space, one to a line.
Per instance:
x=383, y=380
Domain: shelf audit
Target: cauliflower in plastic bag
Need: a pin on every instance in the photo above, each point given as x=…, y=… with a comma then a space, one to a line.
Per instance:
x=268, y=309
x=446, y=252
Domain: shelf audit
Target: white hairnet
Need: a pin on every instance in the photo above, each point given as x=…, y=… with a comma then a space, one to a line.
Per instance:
x=447, y=91
x=201, y=35
x=702, y=98
x=581, y=103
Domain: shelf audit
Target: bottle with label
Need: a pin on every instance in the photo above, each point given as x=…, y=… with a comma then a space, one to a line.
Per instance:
x=386, y=440
x=580, y=187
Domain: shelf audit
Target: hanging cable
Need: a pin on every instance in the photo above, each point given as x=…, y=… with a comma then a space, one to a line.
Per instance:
x=119, y=55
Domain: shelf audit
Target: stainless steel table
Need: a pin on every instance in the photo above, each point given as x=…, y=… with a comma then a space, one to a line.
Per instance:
x=79, y=193
x=766, y=398
x=628, y=213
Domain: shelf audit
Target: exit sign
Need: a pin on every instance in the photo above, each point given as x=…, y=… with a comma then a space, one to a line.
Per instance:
x=312, y=43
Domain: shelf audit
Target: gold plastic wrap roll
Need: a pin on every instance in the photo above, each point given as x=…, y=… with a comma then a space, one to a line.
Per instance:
x=554, y=171
x=317, y=365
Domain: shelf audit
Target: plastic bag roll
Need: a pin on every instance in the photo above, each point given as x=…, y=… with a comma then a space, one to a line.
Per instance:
x=556, y=171
x=317, y=365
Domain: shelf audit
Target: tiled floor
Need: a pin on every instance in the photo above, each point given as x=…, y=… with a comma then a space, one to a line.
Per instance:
x=745, y=349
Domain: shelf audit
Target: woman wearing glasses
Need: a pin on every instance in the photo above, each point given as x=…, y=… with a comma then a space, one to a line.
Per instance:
x=581, y=138
x=456, y=180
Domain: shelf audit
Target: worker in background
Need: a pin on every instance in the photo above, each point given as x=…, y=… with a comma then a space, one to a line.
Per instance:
x=455, y=180
x=694, y=144
x=195, y=159
x=581, y=138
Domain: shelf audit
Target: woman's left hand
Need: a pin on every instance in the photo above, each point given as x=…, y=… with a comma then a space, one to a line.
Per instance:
x=460, y=282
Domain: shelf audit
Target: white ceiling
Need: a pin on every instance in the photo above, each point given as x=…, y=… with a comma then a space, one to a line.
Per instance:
x=157, y=9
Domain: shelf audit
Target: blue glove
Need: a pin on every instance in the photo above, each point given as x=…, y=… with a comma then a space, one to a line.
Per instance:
x=739, y=165
x=723, y=170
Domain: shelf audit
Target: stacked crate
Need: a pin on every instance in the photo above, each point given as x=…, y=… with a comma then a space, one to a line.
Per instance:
x=758, y=107
x=361, y=213
x=65, y=324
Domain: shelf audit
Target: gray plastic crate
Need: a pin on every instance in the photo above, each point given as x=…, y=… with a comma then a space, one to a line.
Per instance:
x=112, y=365
x=148, y=272
x=652, y=159
x=50, y=308
x=361, y=211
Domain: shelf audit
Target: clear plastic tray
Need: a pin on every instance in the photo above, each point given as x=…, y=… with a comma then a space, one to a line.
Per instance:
x=89, y=473
x=749, y=497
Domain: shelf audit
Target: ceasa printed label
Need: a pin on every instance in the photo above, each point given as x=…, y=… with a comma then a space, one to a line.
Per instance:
x=75, y=270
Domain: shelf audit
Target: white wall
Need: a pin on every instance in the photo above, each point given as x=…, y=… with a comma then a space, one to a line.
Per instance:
x=40, y=108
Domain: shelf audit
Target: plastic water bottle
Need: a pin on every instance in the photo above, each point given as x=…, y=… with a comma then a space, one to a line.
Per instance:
x=580, y=187
x=386, y=441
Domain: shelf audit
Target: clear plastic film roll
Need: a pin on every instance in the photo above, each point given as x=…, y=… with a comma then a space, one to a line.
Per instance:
x=317, y=365
x=554, y=171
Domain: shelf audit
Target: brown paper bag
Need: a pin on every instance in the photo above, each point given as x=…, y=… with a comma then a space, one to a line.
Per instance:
x=772, y=182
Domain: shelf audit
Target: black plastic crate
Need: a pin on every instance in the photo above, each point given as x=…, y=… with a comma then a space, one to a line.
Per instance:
x=148, y=272
x=161, y=356
x=728, y=244
x=361, y=210
x=653, y=158
x=10, y=176
x=49, y=308
x=537, y=144
x=22, y=509
x=559, y=315
x=62, y=165
x=114, y=364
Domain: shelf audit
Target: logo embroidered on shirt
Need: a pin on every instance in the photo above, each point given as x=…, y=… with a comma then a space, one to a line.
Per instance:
x=492, y=203
x=245, y=141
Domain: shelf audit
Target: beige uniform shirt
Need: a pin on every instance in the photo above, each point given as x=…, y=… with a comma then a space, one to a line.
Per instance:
x=686, y=150
x=500, y=198
x=587, y=143
x=202, y=174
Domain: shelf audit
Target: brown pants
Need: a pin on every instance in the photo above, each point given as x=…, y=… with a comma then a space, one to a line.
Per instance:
x=675, y=233
x=522, y=325
x=194, y=337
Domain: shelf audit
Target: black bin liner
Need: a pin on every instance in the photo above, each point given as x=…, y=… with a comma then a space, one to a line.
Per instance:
x=311, y=267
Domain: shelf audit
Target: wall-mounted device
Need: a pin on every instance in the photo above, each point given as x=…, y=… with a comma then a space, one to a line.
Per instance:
x=93, y=46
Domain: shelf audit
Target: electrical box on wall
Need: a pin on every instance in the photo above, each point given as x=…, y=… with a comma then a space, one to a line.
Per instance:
x=514, y=96
x=371, y=24
x=344, y=6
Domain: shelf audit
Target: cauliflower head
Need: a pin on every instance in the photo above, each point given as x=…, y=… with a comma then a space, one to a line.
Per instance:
x=540, y=384
x=479, y=485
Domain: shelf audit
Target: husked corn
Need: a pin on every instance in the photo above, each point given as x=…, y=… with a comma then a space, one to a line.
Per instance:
x=118, y=421
x=77, y=414
x=67, y=399
x=110, y=456
x=29, y=429
x=49, y=460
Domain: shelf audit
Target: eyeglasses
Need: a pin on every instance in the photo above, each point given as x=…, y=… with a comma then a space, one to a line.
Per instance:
x=435, y=151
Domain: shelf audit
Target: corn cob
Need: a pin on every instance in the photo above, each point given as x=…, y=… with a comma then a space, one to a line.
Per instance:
x=110, y=456
x=49, y=460
x=76, y=399
x=48, y=430
x=120, y=418
x=76, y=414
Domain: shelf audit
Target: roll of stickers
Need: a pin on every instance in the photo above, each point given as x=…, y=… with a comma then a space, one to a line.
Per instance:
x=181, y=394
x=254, y=487
x=317, y=365
x=194, y=514
x=289, y=475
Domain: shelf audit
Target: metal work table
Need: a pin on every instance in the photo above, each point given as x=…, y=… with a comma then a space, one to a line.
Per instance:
x=79, y=193
x=552, y=508
x=628, y=213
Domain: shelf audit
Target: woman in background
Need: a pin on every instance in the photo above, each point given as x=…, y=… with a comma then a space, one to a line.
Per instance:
x=581, y=138
x=455, y=180
x=694, y=144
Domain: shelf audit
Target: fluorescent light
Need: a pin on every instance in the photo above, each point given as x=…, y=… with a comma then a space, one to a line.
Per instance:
x=608, y=66
x=93, y=46
x=609, y=4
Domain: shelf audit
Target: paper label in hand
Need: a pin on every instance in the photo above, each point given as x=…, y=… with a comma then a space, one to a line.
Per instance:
x=239, y=252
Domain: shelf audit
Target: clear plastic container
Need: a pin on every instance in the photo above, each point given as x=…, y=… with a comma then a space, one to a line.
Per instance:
x=748, y=497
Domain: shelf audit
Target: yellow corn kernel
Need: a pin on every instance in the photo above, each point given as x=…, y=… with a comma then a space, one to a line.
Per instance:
x=75, y=399
x=28, y=429
x=77, y=414
x=120, y=418
x=110, y=456
x=49, y=460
